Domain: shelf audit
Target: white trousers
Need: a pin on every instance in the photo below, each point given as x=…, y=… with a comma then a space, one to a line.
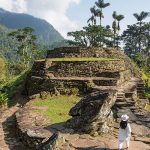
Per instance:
x=122, y=142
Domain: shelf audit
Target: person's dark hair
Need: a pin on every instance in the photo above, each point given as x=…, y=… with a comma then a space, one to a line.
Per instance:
x=123, y=124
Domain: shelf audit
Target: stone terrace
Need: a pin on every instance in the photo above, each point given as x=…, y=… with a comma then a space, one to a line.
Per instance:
x=53, y=76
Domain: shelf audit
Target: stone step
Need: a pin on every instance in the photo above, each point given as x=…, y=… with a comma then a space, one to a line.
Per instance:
x=143, y=90
x=105, y=82
x=140, y=88
x=131, y=103
x=133, y=108
x=129, y=94
x=139, y=84
x=121, y=103
x=145, y=119
x=141, y=94
x=104, y=88
x=120, y=100
x=120, y=96
x=124, y=107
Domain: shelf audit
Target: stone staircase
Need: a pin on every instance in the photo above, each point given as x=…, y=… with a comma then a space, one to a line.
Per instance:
x=126, y=104
x=141, y=90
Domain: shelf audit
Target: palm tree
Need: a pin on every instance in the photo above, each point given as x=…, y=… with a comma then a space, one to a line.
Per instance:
x=118, y=18
x=100, y=4
x=93, y=17
x=140, y=17
x=114, y=26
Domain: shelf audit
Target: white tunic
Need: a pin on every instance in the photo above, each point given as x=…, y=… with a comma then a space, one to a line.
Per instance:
x=124, y=134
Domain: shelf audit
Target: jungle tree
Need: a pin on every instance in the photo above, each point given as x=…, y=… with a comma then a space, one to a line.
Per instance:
x=27, y=46
x=93, y=17
x=114, y=26
x=140, y=17
x=118, y=18
x=101, y=5
x=131, y=41
x=88, y=37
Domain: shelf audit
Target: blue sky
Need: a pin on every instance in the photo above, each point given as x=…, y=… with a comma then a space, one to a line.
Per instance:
x=71, y=15
x=81, y=12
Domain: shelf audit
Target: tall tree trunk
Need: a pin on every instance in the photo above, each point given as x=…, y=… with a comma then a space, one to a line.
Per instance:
x=100, y=31
x=118, y=36
x=140, y=38
x=114, y=37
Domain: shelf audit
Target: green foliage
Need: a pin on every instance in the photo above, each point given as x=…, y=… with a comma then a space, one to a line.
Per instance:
x=3, y=99
x=27, y=46
x=3, y=71
x=58, y=107
x=14, y=85
x=137, y=44
x=74, y=91
x=89, y=36
x=45, y=32
x=140, y=17
x=97, y=35
x=146, y=79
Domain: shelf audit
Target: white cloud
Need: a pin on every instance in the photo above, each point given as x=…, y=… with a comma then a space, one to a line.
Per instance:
x=54, y=11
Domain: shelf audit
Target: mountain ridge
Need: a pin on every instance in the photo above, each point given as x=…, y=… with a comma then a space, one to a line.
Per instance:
x=45, y=32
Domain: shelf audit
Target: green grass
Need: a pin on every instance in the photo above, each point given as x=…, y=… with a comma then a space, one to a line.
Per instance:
x=146, y=78
x=147, y=107
x=12, y=85
x=82, y=59
x=58, y=107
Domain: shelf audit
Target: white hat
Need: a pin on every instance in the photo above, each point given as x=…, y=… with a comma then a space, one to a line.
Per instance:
x=124, y=117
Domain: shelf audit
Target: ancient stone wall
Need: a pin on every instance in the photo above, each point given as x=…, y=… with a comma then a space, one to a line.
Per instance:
x=85, y=68
x=30, y=127
x=85, y=52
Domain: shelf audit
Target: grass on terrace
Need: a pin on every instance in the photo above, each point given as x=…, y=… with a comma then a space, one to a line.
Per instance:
x=57, y=107
x=82, y=59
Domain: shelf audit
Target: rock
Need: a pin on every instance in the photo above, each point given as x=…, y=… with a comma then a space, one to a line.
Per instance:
x=67, y=130
x=145, y=140
x=33, y=134
x=93, y=113
x=140, y=130
x=43, y=94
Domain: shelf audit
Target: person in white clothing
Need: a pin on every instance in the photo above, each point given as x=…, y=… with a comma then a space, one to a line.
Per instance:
x=124, y=132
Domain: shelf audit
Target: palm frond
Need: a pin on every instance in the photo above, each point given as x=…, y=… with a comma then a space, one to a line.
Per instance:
x=119, y=17
x=114, y=15
x=141, y=16
x=106, y=5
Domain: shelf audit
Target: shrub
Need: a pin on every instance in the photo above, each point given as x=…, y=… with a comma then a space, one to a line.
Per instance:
x=74, y=91
x=3, y=99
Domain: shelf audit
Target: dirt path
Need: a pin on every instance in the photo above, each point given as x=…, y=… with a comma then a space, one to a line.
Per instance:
x=8, y=138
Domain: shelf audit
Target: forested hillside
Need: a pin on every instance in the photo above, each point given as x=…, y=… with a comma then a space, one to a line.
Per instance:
x=45, y=32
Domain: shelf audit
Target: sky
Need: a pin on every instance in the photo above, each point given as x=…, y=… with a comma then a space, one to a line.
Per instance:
x=72, y=15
